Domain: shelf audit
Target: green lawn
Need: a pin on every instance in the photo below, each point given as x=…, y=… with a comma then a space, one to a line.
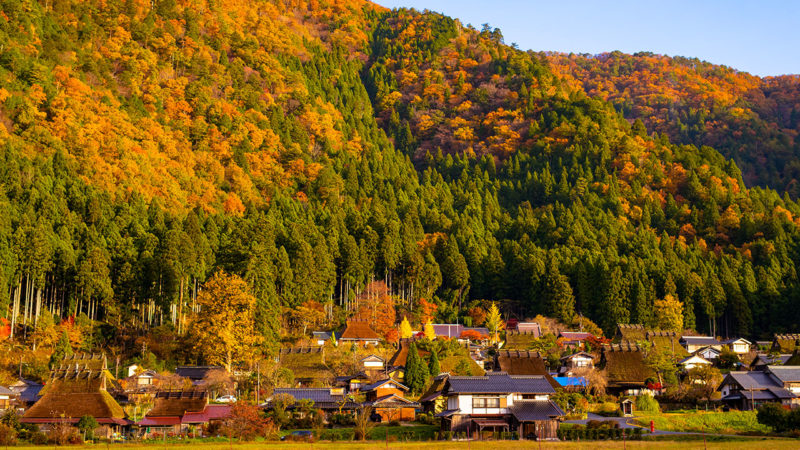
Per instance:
x=733, y=422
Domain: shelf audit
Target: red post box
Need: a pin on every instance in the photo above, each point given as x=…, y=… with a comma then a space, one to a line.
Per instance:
x=652, y=426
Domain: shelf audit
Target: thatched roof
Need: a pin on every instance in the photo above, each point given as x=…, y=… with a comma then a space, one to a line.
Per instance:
x=516, y=362
x=521, y=339
x=177, y=403
x=306, y=363
x=624, y=364
x=359, y=330
x=630, y=332
x=785, y=343
x=669, y=340
x=76, y=388
x=401, y=355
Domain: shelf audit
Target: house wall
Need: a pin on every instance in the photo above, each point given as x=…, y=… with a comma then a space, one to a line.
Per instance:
x=390, y=414
x=740, y=348
x=374, y=364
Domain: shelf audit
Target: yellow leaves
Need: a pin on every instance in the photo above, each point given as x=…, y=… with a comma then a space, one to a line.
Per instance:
x=4, y=95
x=464, y=106
x=465, y=134
x=233, y=204
x=388, y=101
x=426, y=123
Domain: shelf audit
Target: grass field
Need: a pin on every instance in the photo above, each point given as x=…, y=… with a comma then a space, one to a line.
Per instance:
x=741, y=444
x=733, y=422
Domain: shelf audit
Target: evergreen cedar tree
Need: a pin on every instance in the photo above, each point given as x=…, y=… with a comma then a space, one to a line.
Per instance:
x=378, y=145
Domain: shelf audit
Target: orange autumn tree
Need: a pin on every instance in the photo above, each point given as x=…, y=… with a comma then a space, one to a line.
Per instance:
x=376, y=306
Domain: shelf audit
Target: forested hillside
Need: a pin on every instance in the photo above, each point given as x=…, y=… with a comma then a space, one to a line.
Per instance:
x=315, y=147
x=753, y=120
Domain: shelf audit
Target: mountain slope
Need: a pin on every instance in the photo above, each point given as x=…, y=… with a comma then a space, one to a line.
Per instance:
x=755, y=121
x=313, y=147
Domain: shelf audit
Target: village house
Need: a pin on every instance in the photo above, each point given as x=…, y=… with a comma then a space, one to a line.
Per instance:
x=575, y=339
x=630, y=332
x=373, y=365
x=27, y=392
x=328, y=399
x=523, y=336
x=785, y=343
x=693, y=361
x=432, y=399
x=498, y=401
x=8, y=398
x=360, y=332
x=694, y=343
x=762, y=361
x=749, y=390
x=387, y=399
x=787, y=376
x=196, y=373
x=625, y=369
x=79, y=387
x=575, y=362
x=708, y=353
x=740, y=346
x=323, y=337
x=168, y=410
x=666, y=340
x=352, y=383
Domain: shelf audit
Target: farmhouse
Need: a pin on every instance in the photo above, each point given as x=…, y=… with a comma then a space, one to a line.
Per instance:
x=387, y=398
x=498, y=401
x=748, y=390
x=624, y=365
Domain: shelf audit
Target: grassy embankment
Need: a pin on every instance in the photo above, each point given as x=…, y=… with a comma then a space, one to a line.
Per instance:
x=733, y=422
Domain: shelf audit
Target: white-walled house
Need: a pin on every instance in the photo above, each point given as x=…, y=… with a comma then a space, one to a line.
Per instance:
x=739, y=346
x=694, y=361
x=498, y=401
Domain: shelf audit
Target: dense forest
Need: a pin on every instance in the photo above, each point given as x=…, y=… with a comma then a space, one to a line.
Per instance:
x=318, y=148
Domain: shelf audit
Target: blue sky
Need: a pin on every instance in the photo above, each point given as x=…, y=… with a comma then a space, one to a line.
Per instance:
x=760, y=37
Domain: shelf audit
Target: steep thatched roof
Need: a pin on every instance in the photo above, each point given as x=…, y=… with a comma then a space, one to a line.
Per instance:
x=624, y=364
x=630, y=332
x=359, y=330
x=76, y=388
x=516, y=362
x=306, y=363
x=785, y=343
x=521, y=340
x=400, y=357
x=669, y=340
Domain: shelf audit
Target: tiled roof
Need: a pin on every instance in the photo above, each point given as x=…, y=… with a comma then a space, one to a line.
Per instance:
x=700, y=340
x=732, y=340
x=359, y=330
x=786, y=374
x=392, y=401
x=499, y=383
x=575, y=335
x=529, y=327
x=27, y=390
x=765, y=360
x=380, y=383
x=753, y=380
x=530, y=410
x=321, y=397
x=211, y=412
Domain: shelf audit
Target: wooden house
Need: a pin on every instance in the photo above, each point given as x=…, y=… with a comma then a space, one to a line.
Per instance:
x=574, y=362
x=8, y=398
x=625, y=368
x=329, y=400
x=709, y=353
x=360, y=332
x=432, y=399
x=690, y=362
x=694, y=343
x=27, y=392
x=387, y=399
x=168, y=411
x=740, y=346
x=79, y=387
x=575, y=339
x=501, y=402
x=749, y=390
x=762, y=361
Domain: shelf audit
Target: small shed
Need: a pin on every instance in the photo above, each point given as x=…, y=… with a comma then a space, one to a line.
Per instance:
x=626, y=407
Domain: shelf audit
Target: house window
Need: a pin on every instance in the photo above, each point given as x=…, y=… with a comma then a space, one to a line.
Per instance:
x=581, y=363
x=485, y=402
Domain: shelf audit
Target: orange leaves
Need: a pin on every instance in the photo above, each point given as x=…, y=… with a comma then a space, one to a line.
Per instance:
x=233, y=204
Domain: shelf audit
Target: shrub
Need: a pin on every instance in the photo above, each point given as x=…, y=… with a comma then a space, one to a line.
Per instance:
x=38, y=438
x=63, y=434
x=8, y=435
x=647, y=403
x=342, y=419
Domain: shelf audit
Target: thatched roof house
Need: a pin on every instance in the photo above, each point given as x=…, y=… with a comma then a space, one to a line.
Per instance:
x=630, y=332
x=359, y=331
x=785, y=343
x=308, y=365
x=78, y=387
x=625, y=367
x=522, y=340
x=669, y=340
x=525, y=362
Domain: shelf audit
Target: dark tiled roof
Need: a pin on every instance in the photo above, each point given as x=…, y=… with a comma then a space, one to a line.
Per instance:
x=700, y=340
x=530, y=410
x=786, y=374
x=732, y=340
x=765, y=360
x=195, y=373
x=499, y=383
x=752, y=380
x=321, y=397
x=27, y=390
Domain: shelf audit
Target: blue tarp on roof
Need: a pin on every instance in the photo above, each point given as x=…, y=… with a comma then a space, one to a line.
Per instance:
x=571, y=381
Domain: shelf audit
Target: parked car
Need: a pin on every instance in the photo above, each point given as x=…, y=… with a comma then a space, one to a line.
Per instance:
x=299, y=435
x=226, y=399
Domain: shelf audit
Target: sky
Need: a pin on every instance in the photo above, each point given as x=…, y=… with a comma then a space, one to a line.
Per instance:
x=761, y=37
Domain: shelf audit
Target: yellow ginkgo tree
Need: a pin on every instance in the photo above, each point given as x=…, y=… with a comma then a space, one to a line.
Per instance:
x=405, y=329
